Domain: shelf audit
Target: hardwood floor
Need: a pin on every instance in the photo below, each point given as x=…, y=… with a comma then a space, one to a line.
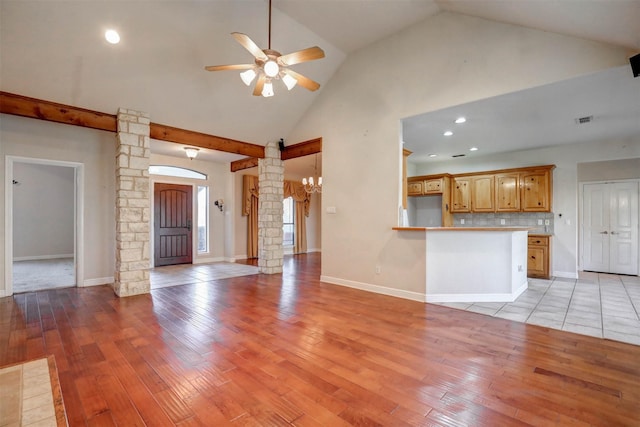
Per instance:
x=290, y=350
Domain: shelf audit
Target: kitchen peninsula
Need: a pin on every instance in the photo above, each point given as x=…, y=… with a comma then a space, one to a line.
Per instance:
x=470, y=264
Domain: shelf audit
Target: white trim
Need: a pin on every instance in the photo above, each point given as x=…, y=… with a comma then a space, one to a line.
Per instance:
x=479, y=297
x=565, y=274
x=227, y=259
x=414, y=296
x=98, y=281
x=208, y=260
x=314, y=250
x=40, y=257
x=4, y=293
x=236, y=257
x=8, y=216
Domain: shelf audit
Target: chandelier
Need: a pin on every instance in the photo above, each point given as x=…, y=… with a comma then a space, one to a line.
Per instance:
x=311, y=185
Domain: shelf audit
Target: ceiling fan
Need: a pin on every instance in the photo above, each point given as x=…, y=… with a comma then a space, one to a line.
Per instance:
x=272, y=65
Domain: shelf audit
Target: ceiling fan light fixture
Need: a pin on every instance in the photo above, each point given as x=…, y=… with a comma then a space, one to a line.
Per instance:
x=267, y=90
x=248, y=76
x=271, y=68
x=289, y=81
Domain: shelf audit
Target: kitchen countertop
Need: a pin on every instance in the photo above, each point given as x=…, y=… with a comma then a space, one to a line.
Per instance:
x=464, y=229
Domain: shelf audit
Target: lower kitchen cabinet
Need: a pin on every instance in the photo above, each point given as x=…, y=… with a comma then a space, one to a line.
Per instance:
x=538, y=254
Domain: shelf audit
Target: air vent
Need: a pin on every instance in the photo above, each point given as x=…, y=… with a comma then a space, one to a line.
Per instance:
x=458, y=155
x=583, y=120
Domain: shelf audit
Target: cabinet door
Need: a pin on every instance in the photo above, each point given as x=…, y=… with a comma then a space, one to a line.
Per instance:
x=433, y=186
x=414, y=188
x=536, y=191
x=507, y=192
x=482, y=194
x=460, y=195
x=536, y=261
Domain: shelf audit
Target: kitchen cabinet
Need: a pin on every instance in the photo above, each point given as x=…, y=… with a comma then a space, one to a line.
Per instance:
x=508, y=192
x=461, y=195
x=538, y=254
x=536, y=191
x=482, y=193
x=433, y=185
x=414, y=188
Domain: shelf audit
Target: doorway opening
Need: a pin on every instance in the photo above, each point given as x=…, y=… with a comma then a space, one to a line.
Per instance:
x=43, y=202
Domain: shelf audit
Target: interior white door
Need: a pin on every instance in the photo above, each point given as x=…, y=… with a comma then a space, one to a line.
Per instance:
x=610, y=227
x=623, y=228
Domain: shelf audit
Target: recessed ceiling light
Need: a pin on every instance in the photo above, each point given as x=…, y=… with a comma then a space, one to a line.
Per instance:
x=448, y=133
x=433, y=155
x=460, y=120
x=473, y=149
x=112, y=36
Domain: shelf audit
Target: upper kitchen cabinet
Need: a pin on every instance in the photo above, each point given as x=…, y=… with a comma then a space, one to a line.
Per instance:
x=461, y=194
x=508, y=192
x=536, y=190
x=482, y=193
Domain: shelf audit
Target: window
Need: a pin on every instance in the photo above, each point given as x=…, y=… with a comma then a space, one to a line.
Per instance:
x=287, y=222
x=203, y=219
x=175, y=171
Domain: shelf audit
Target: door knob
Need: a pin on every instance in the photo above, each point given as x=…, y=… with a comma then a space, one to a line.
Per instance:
x=605, y=232
x=613, y=232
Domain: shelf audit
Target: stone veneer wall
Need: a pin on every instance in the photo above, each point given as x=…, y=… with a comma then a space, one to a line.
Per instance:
x=271, y=179
x=132, y=204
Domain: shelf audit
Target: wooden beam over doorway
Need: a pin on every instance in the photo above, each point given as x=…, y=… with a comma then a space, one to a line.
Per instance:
x=300, y=149
x=24, y=106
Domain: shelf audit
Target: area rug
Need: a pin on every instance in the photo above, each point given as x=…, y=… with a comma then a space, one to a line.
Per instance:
x=30, y=394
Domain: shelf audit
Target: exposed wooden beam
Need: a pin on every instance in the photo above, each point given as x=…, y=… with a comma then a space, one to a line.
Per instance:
x=300, y=149
x=19, y=105
x=246, y=163
x=24, y=106
x=203, y=140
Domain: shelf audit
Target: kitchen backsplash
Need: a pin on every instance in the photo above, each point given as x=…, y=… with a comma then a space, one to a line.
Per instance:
x=516, y=219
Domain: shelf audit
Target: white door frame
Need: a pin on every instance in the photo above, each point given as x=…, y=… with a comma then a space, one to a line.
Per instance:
x=581, y=214
x=78, y=219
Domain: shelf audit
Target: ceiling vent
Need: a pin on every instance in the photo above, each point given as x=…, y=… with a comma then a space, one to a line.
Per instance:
x=583, y=120
x=458, y=155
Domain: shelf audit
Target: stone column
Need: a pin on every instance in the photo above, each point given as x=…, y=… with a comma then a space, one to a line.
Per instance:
x=271, y=181
x=132, y=204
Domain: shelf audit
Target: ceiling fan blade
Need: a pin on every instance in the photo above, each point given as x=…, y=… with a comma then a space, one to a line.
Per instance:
x=257, y=91
x=303, y=55
x=248, y=44
x=303, y=81
x=229, y=67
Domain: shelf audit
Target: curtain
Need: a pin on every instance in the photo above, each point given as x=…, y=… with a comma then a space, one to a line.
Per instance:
x=295, y=190
x=250, y=195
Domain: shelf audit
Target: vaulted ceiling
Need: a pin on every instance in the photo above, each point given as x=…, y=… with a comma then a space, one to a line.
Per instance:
x=55, y=50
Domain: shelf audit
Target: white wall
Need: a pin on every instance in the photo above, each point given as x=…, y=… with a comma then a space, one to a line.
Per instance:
x=446, y=60
x=43, y=211
x=33, y=138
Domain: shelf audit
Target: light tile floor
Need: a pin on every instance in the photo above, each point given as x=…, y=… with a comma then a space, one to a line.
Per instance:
x=35, y=275
x=184, y=274
x=596, y=304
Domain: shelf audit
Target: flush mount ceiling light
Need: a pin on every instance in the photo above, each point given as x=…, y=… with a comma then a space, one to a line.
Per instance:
x=112, y=36
x=433, y=155
x=473, y=149
x=460, y=120
x=192, y=152
x=272, y=65
x=448, y=133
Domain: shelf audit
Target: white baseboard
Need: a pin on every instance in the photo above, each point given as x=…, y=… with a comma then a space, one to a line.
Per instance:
x=97, y=281
x=207, y=260
x=565, y=274
x=3, y=293
x=314, y=250
x=414, y=296
x=40, y=257
x=240, y=257
x=478, y=297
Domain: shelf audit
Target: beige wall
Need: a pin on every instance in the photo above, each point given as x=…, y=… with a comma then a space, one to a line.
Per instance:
x=446, y=60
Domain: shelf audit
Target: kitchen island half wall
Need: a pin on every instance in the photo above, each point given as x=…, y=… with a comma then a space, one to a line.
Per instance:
x=472, y=264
